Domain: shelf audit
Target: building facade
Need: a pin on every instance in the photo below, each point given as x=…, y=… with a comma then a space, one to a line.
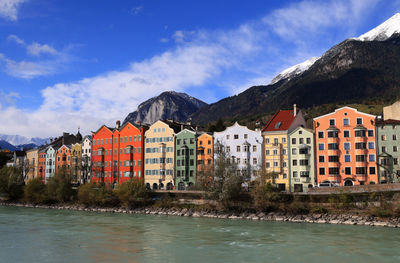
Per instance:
x=388, y=146
x=42, y=163
x=63, y=160
x=346, y=147
x=301, y=160
x=205, y=153
x=86, y=159
x=275, y=145
x=31, y=164
x=185, y=159
x=50, y=162
x=243, y=147
x=76, y=163
x=160, y=155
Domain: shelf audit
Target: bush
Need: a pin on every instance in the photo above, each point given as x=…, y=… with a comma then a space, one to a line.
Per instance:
x=59, y=189
x=35, y=191
x=319, y=210
x=11, y=183
x=298, y=208
x=381, y=212
x=97, y=195
x=87, y=194
x=132, y=193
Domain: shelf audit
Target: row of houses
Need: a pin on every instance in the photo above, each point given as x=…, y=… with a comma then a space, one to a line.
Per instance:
x=345, y=147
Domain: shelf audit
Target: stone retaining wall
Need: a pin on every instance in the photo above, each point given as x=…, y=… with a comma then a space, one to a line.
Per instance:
x=355, y=189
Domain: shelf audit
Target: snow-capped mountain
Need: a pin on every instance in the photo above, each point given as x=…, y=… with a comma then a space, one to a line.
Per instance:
x=383, y=31
x=20, y=140
x=294, y=70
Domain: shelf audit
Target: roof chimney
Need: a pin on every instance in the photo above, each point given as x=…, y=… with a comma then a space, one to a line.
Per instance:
x=294, y=109
x=118, y=124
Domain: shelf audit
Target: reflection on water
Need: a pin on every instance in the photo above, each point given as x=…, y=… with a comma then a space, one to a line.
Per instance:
x=39, y=235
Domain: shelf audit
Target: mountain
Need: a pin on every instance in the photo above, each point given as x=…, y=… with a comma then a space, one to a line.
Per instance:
x=168, y=105
x=294, y=70
x=356, y=70
x=20, y=140
x=6, y=145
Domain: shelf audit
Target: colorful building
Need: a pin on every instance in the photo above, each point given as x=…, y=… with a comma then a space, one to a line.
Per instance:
x=42, y=162
x=243, y=147
x=160, y=155
x=185, y=159
x=205, y=153
x=86, y=158
x=31, y=164
x=50, y=162
x=76, y=162
x=117, y=153
x=63, y=160
x=275, y=145
x=346, y=147
x=301, y=159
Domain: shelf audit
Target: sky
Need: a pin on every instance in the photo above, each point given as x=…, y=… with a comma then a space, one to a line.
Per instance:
x=70, y=64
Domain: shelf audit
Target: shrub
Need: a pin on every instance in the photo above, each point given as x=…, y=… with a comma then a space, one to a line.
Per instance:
x=87, y=194
x=298, y=208
x=105, y=196
x=132, y=193
x=11, y=183
x=35, y=191
x=59, y=189
x=319, y=210
x=381, y=212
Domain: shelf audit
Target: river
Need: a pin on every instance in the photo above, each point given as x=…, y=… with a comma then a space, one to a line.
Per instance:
x=46, y=235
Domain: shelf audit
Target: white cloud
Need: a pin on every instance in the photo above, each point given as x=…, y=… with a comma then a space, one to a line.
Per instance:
x=136, y=10
x=16, y=39
x=37, y=49
x=9, y=9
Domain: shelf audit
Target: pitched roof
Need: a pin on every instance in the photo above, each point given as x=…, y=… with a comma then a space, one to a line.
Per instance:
x=387, y=122
x=281, y=121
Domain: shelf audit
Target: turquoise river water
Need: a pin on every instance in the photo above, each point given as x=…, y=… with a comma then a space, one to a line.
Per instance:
x=41, y=235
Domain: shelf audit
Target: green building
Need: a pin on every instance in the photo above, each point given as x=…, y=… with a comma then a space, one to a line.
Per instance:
x=185, y=159
x=388, y=140
x=301, y=160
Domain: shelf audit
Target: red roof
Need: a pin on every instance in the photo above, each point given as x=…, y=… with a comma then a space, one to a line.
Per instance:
x=281, y=121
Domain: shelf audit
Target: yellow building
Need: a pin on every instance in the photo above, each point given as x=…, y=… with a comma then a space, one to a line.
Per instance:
x=159, y=155
x=275, y=145
x=76, y=162
x=32, y=163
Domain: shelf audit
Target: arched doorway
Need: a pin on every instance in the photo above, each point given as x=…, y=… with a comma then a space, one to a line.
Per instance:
x=310, y=186
x=181, y=186
x=190, y=185
x=170, y=186
x=161, y=186
x=148, y=186
x=348, y=182
x=155, y=186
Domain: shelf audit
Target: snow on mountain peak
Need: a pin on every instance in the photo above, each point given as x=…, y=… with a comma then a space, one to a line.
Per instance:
x=383, y=31
x=294, y=70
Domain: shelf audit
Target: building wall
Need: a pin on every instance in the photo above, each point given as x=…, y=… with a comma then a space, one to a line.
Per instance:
x=388, y=140
x=205, y=152
x=301, y=160
x=276, y=158
x=32, y=164
x=63, y=161
x=159, y=156
x=185, y=159
x=86, y=159
x=337, y=168
x=392, y=112
x=76, y=162
x=50, y=163
x=235, y=140
x=104, y=156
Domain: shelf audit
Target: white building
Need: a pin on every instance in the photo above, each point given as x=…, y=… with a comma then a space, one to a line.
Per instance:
x=242, y=145
x=86, y=158
x=50, y=170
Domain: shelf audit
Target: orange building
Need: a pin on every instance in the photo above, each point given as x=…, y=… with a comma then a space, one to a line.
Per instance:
x=205, y=152
x=42, y=163
x=346, y=147
x=63, y=159
x=117, y=153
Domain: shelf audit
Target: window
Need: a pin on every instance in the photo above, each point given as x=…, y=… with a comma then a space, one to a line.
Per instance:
x=284, y=176
x=360, y=133
x=346, y=122
x=372, y=170
x=360, y=145
x=346, y=134
x=293, y=140
x=294, y=174
x=294, y=162
x=395, y=161
x=275, y=164
x=228, y=149
x=284, y=151
x=333, y=170
x=361, y=170
x=304, y=162
x=284, y=164
x=371, y=145
x=394, y=148
x=304, y=174
x=347, y=158
x=245, y=136
x=371, y=157
x=276, y=141
x=245, y=148
x=333, y=158
x=275, y=152
x=254, y=160
x=267, y=164
x=227, y=136
x=294, y=151
x=321, y=135
x=321, y=171
x=321, y=158
x=332, y=122
x=383, y=137
x=266, y=152
x=254, y=148
x=359, y=121
x=236, y=136
x=347, y=170
x=321, y=147
x=361, y=158
x=347, y=146
x=370, y=133
x=283, y=140
x=238, y=148
x=332, y=134
x=301, y=141
x=394, y=137
x=303, y=151
x=308, y=140
x=333, y=146
x=266, y=140
x=383, y=149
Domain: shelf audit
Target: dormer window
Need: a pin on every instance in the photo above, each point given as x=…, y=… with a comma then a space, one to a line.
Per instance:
x=278, y=125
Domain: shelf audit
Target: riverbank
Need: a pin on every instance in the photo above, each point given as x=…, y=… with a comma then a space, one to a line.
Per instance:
x=345, y=219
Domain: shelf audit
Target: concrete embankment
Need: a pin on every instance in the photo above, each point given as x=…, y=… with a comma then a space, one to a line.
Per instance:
x=346, y=219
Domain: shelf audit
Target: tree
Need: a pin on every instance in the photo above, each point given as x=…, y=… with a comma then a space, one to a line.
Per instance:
x=11, y=183
x=35, y=191
x=132, y=193
x=59, y=187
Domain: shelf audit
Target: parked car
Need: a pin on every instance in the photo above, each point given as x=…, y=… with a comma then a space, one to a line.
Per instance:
x=328, y=184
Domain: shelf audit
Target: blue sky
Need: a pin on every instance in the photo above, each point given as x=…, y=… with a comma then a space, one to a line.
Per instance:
x=70, y=64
